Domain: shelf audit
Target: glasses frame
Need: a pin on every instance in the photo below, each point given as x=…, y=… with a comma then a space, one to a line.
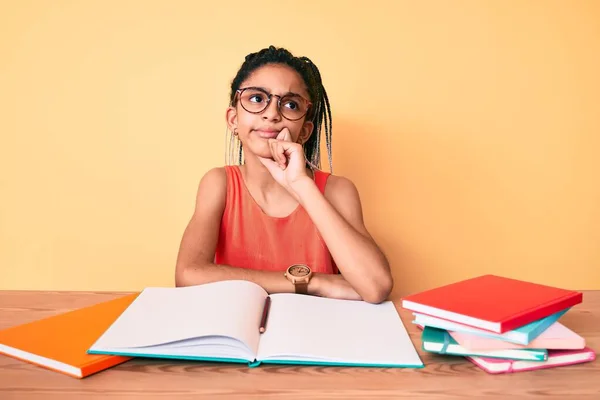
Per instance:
x=269, y=97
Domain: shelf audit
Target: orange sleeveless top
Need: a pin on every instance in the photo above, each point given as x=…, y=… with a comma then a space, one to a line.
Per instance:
x=249, y=238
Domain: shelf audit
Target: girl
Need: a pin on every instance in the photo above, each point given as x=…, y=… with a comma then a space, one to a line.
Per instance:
x=277, y=219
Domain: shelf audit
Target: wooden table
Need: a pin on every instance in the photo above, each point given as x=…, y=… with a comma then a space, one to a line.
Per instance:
x=442, y=377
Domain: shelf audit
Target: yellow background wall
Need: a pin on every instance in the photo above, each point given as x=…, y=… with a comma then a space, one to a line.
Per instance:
x=471, y=128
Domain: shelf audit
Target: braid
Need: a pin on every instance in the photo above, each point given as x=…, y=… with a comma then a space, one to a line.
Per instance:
x=322, y=115
x=319, y=114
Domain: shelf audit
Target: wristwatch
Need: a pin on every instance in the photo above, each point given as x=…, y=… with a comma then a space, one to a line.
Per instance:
x=299, y=275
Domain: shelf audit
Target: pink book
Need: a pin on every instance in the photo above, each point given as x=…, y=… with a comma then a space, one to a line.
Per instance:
x=556, y=337
x=556, y=358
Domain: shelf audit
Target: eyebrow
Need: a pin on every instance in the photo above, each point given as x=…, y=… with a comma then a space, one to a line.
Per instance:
x=262, y=89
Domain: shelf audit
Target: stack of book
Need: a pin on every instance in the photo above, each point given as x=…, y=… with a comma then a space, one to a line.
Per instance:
x=499, y=324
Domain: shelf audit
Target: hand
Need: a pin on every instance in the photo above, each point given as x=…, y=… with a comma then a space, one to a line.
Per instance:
x=333, y=286
x=287, y=163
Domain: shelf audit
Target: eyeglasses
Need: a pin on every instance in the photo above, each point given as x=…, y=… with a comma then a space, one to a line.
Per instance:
x=256, y=100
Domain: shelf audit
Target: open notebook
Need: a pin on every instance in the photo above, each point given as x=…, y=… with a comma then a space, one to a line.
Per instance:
x=220, y=322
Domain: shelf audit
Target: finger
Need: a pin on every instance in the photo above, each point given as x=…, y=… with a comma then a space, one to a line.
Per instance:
x=278, y=151
x=285, y=135
x=290, y=148
x=281, y=134
x=273, y=148
x=281, y=155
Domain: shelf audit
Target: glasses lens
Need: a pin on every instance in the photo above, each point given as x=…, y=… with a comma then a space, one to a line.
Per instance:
x=254, y=100
x=293, y=107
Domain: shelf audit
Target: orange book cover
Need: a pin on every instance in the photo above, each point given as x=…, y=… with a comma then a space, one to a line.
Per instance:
x=60, y=342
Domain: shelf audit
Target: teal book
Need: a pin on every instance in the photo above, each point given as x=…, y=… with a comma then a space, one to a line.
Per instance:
x=222, y=322
x=439, y=341
x=522, y=335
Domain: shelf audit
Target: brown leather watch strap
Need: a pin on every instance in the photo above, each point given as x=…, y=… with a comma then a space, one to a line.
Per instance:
x=301, y=288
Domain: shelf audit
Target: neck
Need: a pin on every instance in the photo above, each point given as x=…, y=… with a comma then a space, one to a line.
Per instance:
x=258, y=175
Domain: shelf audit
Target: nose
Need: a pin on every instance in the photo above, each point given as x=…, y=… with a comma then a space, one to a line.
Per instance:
x=271, y=113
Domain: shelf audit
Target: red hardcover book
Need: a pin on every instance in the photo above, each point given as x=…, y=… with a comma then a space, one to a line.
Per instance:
x=491, y=302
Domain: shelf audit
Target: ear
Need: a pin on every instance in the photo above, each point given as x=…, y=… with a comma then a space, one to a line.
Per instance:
x=231, y=118
x=305, y=133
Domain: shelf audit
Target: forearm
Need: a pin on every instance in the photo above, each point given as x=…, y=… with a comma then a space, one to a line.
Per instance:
x=358, y=257
x=271, y=281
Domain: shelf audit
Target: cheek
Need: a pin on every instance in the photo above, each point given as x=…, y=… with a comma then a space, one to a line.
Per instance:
x=296, y=129
x=245, y=122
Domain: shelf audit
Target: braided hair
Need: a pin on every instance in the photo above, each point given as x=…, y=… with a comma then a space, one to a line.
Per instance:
x=319, y=113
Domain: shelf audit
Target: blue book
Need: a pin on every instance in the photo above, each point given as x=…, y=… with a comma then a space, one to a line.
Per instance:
x=224, y=321
x=522, y=335
x=439, y=341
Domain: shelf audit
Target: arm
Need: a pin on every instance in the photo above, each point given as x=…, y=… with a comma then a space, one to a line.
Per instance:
x=338, y=217
x=195, y=261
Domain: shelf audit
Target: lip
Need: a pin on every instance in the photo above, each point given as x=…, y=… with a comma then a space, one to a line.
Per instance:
x=267, y=133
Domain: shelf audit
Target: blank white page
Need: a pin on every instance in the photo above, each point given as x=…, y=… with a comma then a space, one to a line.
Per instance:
x=312, y=328
x=166, y=315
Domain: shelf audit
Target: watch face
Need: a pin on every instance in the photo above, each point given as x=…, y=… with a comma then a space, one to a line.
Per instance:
x=299, y=270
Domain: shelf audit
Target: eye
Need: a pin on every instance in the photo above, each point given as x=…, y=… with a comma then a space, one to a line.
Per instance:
x=256, y=98
x=292, y=105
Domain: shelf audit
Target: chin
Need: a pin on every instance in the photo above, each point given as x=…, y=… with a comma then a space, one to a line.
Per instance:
x=259, y=147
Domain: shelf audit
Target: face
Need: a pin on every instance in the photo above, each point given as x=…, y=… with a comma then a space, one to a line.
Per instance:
x=254, y=129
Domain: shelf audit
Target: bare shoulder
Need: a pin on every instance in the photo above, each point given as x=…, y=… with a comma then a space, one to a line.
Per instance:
x=217, y=176
x=340, y=188
x=343, y=195
x=212, y=189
